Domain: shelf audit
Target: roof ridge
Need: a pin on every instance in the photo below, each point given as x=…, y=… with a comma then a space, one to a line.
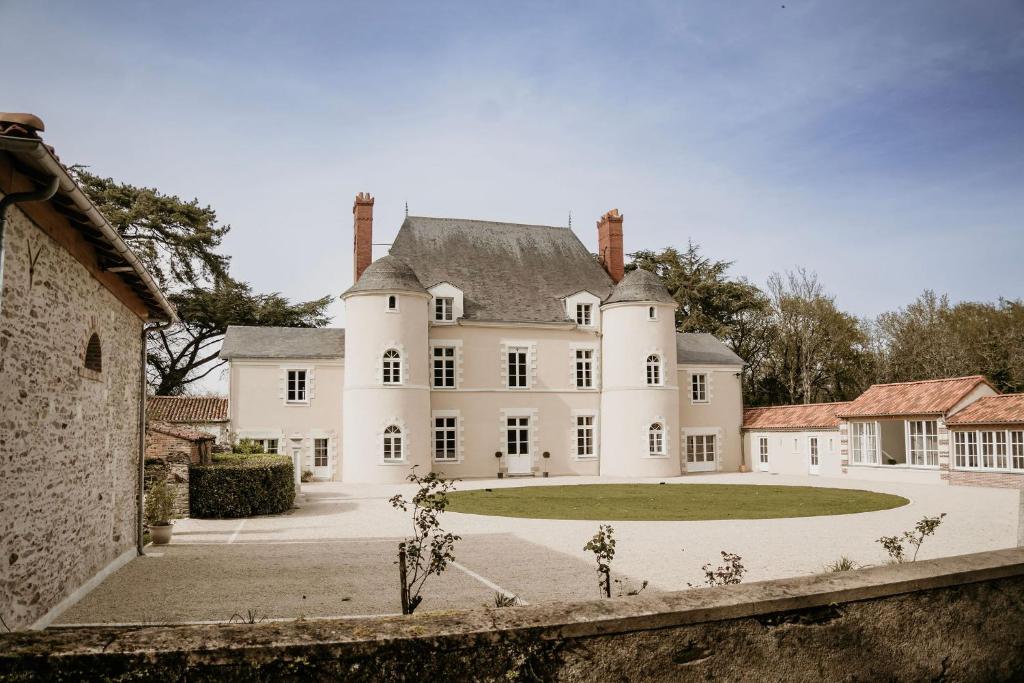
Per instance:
x=927, y=381
x=800, y=405
x=480, y=220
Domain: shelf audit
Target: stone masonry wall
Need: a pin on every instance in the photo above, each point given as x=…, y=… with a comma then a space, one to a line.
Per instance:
x=1002, y=480
x=159, y=445
x=68, y=436
x=173, y=467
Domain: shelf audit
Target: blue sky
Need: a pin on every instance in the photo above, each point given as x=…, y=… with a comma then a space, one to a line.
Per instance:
x=878, y=143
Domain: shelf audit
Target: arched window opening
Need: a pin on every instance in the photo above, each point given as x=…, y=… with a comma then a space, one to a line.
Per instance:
x=654, y=370
x=392, y=302
x=656, y=439
x=94, y=354
x=392, y=444
x=392, y=367
x=652, y=313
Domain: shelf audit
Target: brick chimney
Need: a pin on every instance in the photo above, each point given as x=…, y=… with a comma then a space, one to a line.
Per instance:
x=609, y=244
x=362, y=234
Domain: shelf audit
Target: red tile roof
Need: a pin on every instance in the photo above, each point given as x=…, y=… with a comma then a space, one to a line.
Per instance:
x=928, y=397
x=179, y=431
x=795, y=417
x=190, y=409
x=990, y=410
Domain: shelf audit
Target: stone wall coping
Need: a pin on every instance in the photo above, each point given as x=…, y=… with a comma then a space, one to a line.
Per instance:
x=214, y=643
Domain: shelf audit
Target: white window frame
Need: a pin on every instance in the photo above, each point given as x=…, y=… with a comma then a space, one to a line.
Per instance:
x=921, y=444
x=865, y=448
x=392, y=439
x=304, y=390
x=813, y=451
x=703, y=439
x=988, y=450
x=387, y=303
x=444, y=309
x=326, y=451
x=584, y=314
x=655, y=368
x=450, y=355
x=391, y=367
x=584, y=370
x=762, y=450
x=523, y=355
x=448, y=433
x=265, y=443
x=580, y=437
x=656, y=441
x=699, y=387
x=520, y=428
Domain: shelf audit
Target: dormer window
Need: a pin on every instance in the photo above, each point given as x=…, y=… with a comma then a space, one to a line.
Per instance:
x=584, y=315
x=652, y=312
x=444, y=307
x=392, y=302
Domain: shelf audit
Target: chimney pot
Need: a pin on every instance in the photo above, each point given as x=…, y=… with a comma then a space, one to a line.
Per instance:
x=609, y=244
x=362, y=231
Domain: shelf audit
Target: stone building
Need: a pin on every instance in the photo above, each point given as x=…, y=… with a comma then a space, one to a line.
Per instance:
x=74, y=301
x=197, y=413
x=164, y=438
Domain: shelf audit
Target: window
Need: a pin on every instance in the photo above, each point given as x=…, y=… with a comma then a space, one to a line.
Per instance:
x=965, y=449
x=699, y=388
x=444, y=367
x=1017, y=450
x=392, y=444
x=652, y=313
x=296, y=391
x=94, y=354
x=517, y=367
x=392, y=302
x=584, y=436
x=443, y=307
x=319, y=452
x=989, y=450
x=923, y=444
x=993, y=450
x=864, y=443
x=268, y=445
x=656, y=439
x=392, y=367
x=584, y=368
x=584, y=315
x=700, y=448
x=517, y=434
x=762, y=449
x=812, y=446
x=445, y=439
x=796, y=445
x=654, y=370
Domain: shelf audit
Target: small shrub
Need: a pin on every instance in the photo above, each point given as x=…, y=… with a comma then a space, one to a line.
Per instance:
x=728, y=574
x=307, y=476
x=248, y=447
x=894, y=545
x=603, y=547
x=242, y=486
x=843, y=564
x=159, y=503
x=506, y=600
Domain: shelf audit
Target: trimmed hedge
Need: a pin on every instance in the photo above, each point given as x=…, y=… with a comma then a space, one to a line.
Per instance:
x=242, y=486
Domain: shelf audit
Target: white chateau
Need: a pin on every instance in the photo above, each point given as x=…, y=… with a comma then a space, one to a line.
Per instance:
x=475, y=348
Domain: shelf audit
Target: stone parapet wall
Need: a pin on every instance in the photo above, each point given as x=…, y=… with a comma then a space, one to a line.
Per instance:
x=68, y=435
x=951, y=619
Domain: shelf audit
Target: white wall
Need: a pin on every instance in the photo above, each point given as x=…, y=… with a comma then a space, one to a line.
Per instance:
x=789, y=451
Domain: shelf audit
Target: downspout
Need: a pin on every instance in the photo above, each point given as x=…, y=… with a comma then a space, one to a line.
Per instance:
x=143, y=386
x=40, y=195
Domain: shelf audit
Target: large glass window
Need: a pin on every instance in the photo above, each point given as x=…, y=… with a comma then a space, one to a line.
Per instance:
x=296, y=386
x=392, y=444
x=1017, y=450
x=517, y=434
x=923, y=442
x=864, y=443
x=392, y=367
x=584, y=368
x=444, y=367
x=445, y=438
x=517, y=368
x=654, y=370
x=656, y=439
x=584, y=436
x=700, y=448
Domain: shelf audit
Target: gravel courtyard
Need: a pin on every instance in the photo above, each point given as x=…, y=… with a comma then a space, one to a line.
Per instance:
x=335, y=554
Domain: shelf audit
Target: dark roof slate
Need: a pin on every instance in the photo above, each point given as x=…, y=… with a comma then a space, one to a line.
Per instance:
x=283, y=342
x=704, y=349
x=640, y=285
x=506, y=271
x=387, y=274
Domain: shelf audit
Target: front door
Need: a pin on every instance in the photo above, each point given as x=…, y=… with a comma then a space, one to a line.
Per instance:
x=700, y=453
x=518, y=459
x=762, y=453
x=812, y=454
x=321, y=459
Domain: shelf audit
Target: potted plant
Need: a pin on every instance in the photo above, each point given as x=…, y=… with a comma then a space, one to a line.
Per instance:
x=546, y=455
x=159, y=510
x=497, y=454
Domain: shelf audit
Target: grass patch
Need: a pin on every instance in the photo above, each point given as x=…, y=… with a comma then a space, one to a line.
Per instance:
x=669, y=502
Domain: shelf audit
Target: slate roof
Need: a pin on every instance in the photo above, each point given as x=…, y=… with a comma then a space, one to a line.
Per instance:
x=178, y=431
x=704, y=349
x=283, y=342
x=188, y=409
x=928, y=397
x=387, y=274
x=794, y=417
x=640, y=285
x=506, y=271
x=991, y=410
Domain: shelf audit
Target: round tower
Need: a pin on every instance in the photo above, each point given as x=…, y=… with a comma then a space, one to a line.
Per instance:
x=640, y=393
x=386, y=401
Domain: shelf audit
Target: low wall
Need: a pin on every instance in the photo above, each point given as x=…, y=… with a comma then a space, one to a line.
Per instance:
x=957, y=618
x=175, y=467
x=1004, y=480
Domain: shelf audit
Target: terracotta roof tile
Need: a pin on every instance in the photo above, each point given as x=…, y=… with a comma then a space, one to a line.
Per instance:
x=187, y=408
x=928, y=397
x=179, y=431
x=795, y=417
x=990, y=410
